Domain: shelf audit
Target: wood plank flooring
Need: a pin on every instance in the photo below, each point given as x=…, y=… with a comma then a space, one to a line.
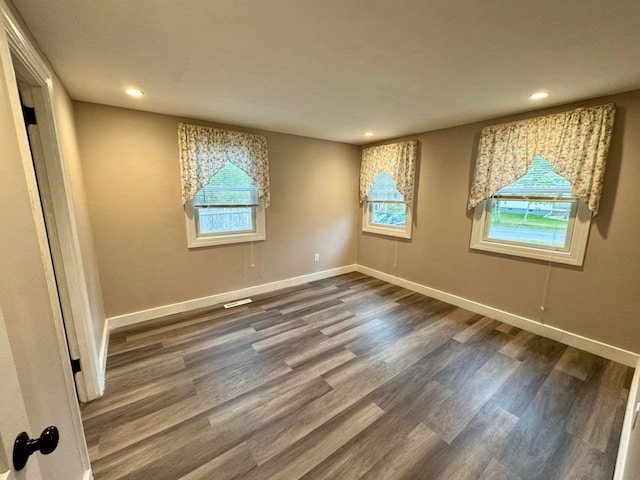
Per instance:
x=351, y=378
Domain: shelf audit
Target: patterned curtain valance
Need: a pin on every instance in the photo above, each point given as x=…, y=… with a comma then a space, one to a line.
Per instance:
x=576, y=143
x=398, y=160
x=204, y=151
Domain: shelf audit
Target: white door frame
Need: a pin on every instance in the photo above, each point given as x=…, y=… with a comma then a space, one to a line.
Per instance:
x=64, y=239
x=27, y=56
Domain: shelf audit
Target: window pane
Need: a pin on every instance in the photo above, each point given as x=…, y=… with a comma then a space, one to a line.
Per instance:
x=384, y=188
x=389, y=214
x=540, y=180
x=212, y=221
x=386, y=207
x=537, y=223
x=230, y=186
x=209, y=196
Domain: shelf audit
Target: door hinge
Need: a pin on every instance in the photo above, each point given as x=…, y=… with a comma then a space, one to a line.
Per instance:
x=29, y=115
x=75, y=365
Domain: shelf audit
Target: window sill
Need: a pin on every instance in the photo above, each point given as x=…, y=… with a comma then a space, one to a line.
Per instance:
x=213, y=240
x=527, y=251
x=389, y=232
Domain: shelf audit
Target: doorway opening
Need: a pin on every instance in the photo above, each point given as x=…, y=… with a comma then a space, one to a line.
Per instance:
x=35, y=89
x=58, y=246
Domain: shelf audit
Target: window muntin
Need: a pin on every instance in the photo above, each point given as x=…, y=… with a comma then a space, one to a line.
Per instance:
x=227, y=210
x=385, y=211
x=536, y=216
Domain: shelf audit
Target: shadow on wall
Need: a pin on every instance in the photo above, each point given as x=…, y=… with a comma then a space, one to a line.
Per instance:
x=612, y=174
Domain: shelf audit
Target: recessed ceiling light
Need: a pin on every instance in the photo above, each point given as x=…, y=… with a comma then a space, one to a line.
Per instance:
x=368, y=134
x=539, y=95
x=134, y=92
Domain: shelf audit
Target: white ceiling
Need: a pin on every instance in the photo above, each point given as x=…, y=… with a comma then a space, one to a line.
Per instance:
x=334, y=69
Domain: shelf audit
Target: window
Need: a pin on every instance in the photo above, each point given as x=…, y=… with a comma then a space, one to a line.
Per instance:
x=536, y=216
x=385, y=211
x=225, y=185
x=522, y=207
x=227, y=210
x=387, y=185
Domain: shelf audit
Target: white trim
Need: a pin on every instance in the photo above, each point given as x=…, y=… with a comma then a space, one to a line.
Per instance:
x=625, y=436
x=157, y=312
x=578, y=233
x=22, y=48
x=88, y=475
x=593, y=346
x=399, y=232
x=197, y=241
x=102, y=359
x=29, y=58
x=72, y=283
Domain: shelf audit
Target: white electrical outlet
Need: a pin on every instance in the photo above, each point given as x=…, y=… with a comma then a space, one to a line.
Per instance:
x=316, y=257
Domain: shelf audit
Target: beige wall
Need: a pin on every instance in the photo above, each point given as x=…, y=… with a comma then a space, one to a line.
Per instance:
x=600, y=300
x=132, y=178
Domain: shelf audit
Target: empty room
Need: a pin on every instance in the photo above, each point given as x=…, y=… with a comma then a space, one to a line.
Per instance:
x=300, y=239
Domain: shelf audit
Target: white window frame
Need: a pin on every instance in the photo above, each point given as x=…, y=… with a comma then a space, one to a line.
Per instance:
x=577, y=232
x=206, y=240
x=400, y=232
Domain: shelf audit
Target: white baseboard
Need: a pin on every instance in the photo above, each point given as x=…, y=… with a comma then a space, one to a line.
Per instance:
x=593, y=346
x=102, y=358
x=625, y=437
x=583, y=343
x=157, y=312
x=88, y=475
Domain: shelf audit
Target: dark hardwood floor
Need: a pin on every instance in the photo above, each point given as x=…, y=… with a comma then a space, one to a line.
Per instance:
x=351, y=378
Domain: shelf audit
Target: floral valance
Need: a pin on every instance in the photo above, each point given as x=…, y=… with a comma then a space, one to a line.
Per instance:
x=204, y=151
x=398, y=160
x=576, y=143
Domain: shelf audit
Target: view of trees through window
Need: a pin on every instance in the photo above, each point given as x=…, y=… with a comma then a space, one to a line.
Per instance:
x=520, y=212
x=227, y=204
x=387, y=206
